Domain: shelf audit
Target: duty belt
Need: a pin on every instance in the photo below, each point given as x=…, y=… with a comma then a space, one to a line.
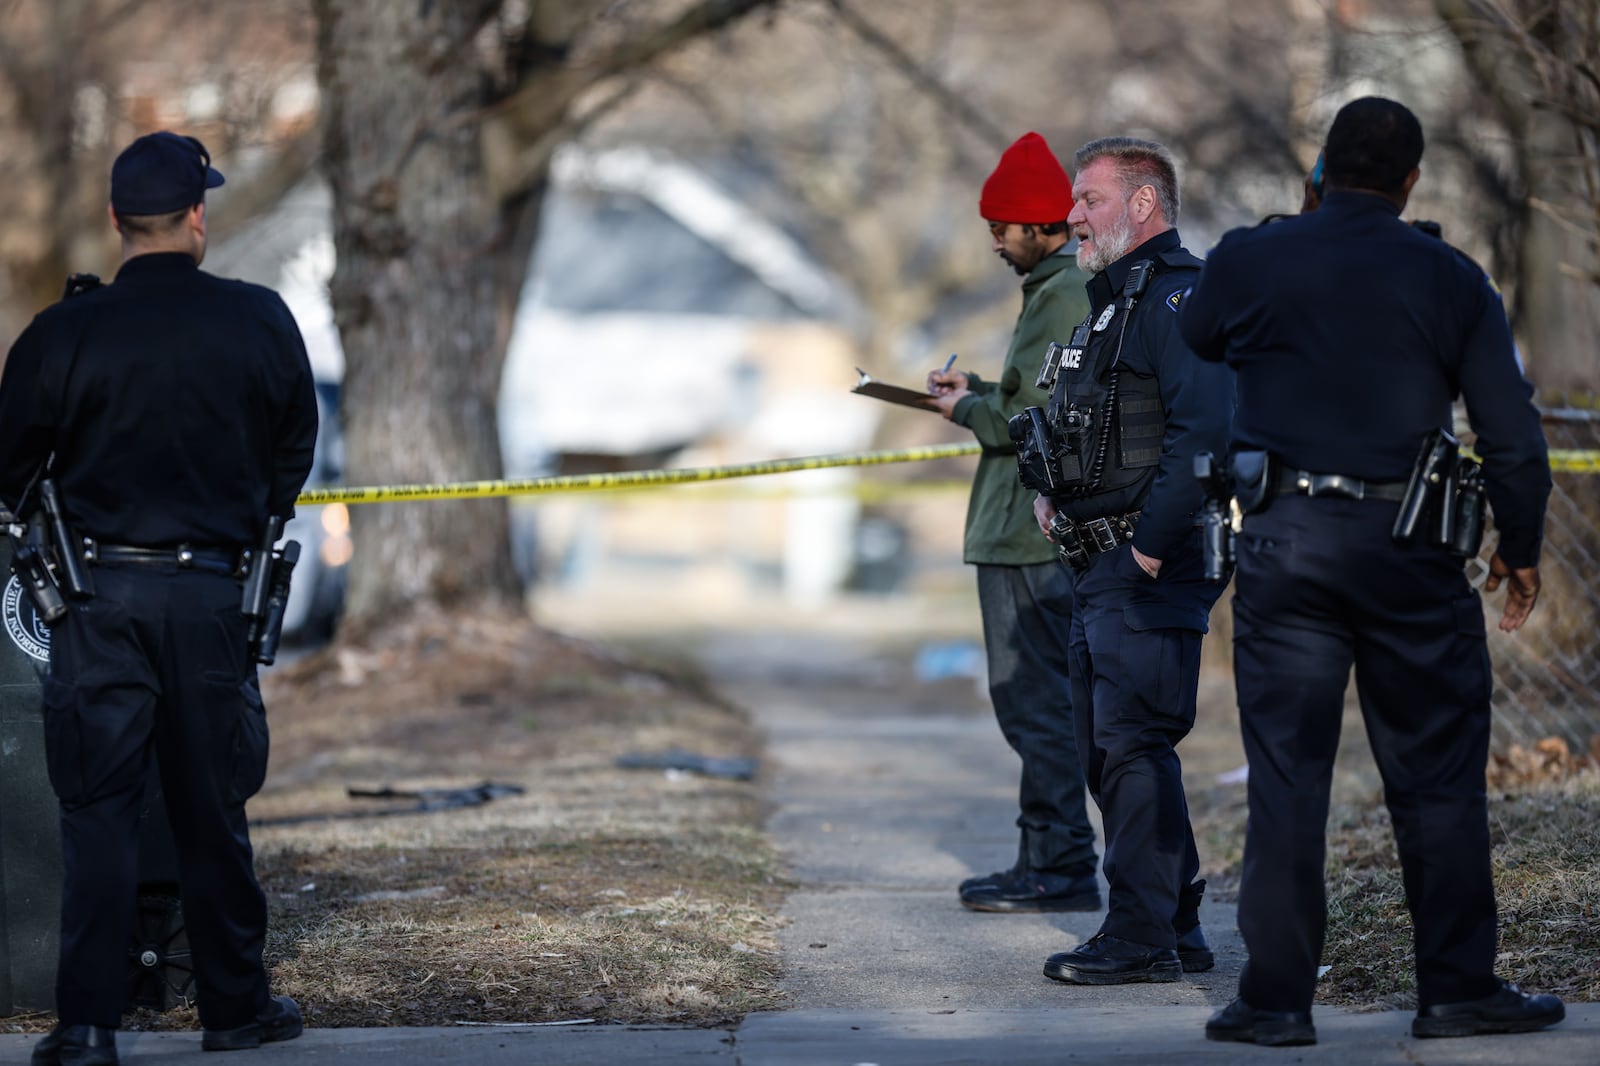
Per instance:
x=1106, y=534
x=1305, y=483
x=183, y=557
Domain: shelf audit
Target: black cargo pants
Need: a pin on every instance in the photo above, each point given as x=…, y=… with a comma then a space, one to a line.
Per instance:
x=156, y=662
x=1321, y=587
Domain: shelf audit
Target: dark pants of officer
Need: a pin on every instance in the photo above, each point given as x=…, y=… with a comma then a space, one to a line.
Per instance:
x=1027, y=620
x=156, y=661
x=1321, y=586
x=1136, y=671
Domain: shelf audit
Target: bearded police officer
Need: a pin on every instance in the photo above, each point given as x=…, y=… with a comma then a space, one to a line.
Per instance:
x=175, y=411
x=1351, y=333
x=1130, y=407
x=1024, y=594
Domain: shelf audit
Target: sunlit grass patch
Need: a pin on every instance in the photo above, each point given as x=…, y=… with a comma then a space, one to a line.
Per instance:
x=625, y=930
x=1546, y=860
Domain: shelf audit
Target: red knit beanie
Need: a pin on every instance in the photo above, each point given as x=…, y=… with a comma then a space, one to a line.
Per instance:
x=1028, y=186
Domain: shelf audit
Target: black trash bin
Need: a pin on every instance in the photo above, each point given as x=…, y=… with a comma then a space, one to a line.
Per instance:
x=30, y=842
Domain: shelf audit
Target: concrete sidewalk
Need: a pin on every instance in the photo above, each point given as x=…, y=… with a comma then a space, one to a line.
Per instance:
x=882, y=804
x=1107, y=1033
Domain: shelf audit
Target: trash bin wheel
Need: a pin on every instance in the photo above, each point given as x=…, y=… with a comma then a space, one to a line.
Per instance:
x=160, y=970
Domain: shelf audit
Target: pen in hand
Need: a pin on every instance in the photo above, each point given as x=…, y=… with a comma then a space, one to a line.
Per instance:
x=939, y=387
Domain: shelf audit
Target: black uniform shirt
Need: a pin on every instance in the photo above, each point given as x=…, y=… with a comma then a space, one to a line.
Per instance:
x=1351, y=333
x=180, y=407
x=1197, y=400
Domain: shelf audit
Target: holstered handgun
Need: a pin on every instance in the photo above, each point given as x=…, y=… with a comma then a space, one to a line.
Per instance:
x=278, y=595
x=1425, y=492
x=1252, y=476
x=1216, y=517
x=1446, y=493
x=1036, y=451
x=32, y=567
x=266, y=590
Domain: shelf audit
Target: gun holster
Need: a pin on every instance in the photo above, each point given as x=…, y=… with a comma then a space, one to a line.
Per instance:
x=1444, y=496
x=1254, y=478
x=1216, y=516
x=30, y=562
x=265, y=591
x=1036, y=448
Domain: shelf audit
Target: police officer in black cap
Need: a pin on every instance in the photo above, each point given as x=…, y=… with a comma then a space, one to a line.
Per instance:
x=176, y=412
x=1133, y=406
x=1351, y=333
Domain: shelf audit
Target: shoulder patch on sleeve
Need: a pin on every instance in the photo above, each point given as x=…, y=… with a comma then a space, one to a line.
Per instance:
x=1176, y=298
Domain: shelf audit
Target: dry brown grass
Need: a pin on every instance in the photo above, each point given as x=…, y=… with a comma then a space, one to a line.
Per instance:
x=1547, y=882
x=1544, y=814
x=627, y=896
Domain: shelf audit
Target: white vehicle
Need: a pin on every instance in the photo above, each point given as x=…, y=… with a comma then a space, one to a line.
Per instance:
x=316, y=596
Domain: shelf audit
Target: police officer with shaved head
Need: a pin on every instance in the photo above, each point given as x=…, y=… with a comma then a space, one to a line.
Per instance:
x=1351, y=333
x=174, y=411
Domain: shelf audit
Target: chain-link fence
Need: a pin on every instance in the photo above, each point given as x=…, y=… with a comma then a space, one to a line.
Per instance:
x=1547, y=675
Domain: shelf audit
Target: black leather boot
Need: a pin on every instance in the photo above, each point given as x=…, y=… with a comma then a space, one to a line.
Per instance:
x=77, y=1045
x=1107, y=960
x=1506, y=1010
x=1240, y=1022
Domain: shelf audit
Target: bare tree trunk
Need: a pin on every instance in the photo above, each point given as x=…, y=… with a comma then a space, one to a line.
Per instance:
x=415, y=293
x=439, y=120
x=1557, y=303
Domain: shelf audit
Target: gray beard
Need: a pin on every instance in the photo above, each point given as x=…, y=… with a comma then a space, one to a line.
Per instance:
x=1113, y=244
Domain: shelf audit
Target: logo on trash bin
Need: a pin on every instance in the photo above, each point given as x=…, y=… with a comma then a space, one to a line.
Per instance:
x=23, y=624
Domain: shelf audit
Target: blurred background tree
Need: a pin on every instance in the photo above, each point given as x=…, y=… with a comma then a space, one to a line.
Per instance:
x=439, y=122
x=79, y=79
x=1539, y=63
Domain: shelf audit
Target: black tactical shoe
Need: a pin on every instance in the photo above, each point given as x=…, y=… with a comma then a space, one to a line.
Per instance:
x=990, y=880
x=77, y=1045
x=1506, y=1010
x=1033, y=891
x=1194, y=952
x=1107, y=960
x=280, y=1021
x=1240, y=1022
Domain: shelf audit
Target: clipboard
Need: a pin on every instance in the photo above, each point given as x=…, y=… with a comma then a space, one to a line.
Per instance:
x=882, y=390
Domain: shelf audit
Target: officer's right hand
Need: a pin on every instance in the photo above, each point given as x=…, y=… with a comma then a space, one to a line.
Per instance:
x=944, y=381
x=1522, y=591
x=1044, y=512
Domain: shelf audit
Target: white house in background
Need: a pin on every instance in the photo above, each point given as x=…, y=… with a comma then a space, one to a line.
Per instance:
x=662, y=322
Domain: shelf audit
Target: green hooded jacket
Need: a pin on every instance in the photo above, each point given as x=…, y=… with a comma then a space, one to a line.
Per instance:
x=1001, y=529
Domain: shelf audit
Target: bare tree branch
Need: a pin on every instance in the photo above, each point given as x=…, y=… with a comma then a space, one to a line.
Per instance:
x=907, y=64
x=521, y=130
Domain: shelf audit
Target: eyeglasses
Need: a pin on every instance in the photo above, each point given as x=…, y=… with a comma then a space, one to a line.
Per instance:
x=997, y=230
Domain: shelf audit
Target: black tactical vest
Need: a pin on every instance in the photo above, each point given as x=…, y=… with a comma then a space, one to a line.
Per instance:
x=1109, y=421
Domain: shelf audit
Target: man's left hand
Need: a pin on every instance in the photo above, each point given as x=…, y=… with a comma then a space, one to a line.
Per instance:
x=1146, y=563
x=946, y=401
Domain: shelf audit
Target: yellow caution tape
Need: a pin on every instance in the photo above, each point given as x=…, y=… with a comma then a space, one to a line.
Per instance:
x=468, y=490
x=1575, y=461
x=782, y=490
x=1563, y=460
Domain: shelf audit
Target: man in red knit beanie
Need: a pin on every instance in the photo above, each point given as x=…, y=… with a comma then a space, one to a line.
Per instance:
x=1024, y=595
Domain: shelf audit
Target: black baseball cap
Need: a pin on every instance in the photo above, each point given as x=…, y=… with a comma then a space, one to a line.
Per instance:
x=160, y=173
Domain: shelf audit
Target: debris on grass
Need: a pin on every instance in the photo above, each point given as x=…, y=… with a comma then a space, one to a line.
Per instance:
x=583, y=894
